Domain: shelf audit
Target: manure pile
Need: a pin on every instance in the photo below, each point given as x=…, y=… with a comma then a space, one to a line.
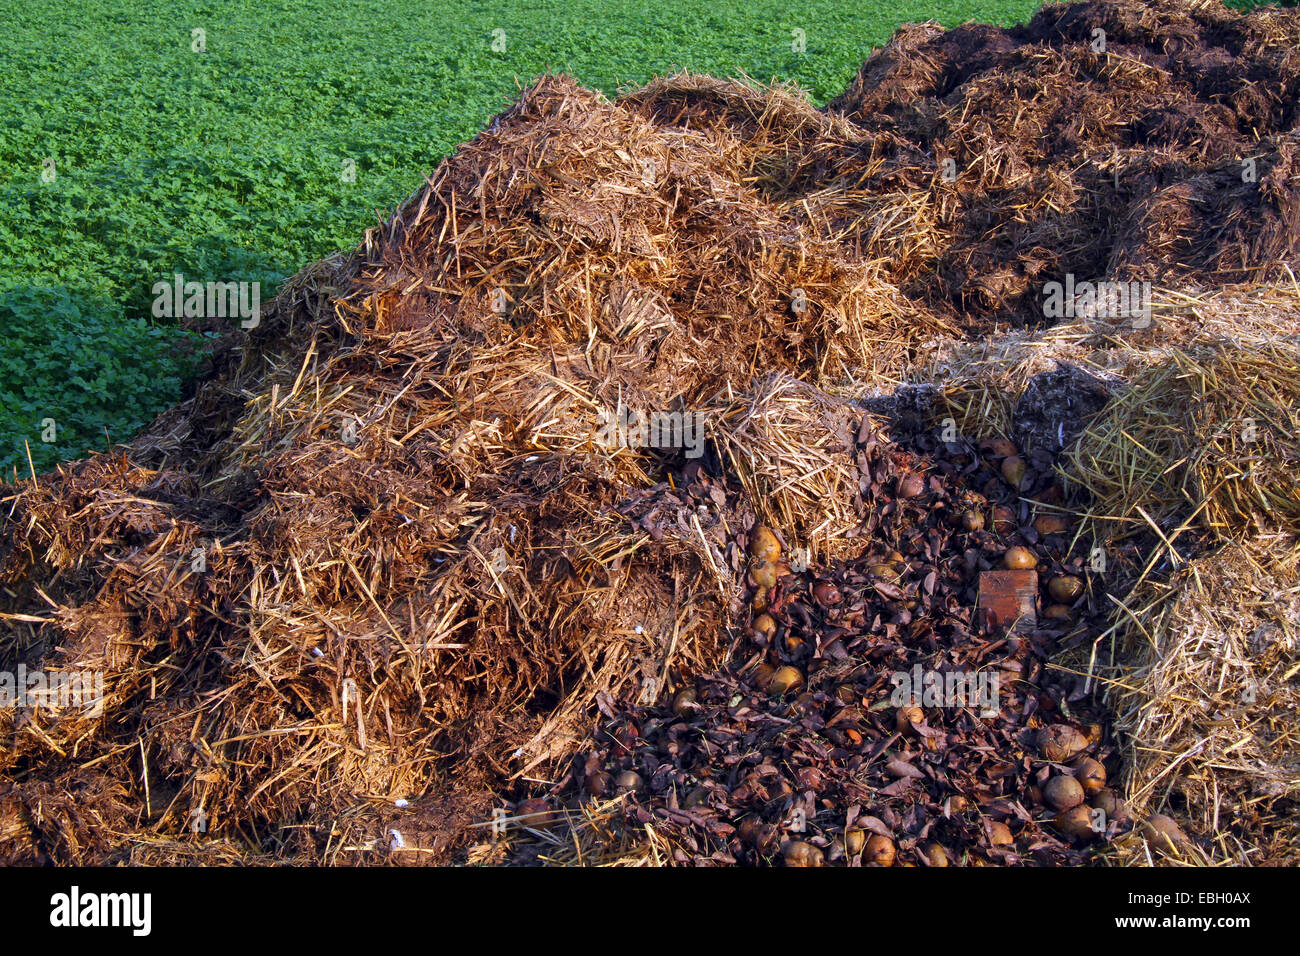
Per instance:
x=382, y=590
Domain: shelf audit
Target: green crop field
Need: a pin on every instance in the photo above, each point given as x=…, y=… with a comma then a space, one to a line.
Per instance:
x=238, y=141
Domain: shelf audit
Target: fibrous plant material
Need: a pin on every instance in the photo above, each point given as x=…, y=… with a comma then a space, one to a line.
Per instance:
x=390, y=550
x=790, y=447
x=1107, y=140
x=408, y=538
x=1207, y=701
x=1211, y=438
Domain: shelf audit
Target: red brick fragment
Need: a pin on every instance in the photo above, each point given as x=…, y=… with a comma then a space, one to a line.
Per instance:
x=1012, y=597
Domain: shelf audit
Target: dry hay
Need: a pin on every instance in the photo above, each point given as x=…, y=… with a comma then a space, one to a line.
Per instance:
x=1208, y=702
x=380, y=555
x=1210, y=437
x=415, y=567
x=980, y=383
x=790, y=446
x=594, y=834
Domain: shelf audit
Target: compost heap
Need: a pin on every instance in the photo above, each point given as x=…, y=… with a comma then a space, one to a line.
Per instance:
x=382, y=572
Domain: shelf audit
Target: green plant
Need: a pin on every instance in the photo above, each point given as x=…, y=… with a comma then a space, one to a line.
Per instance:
x=127, y=154
x=77, y=375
